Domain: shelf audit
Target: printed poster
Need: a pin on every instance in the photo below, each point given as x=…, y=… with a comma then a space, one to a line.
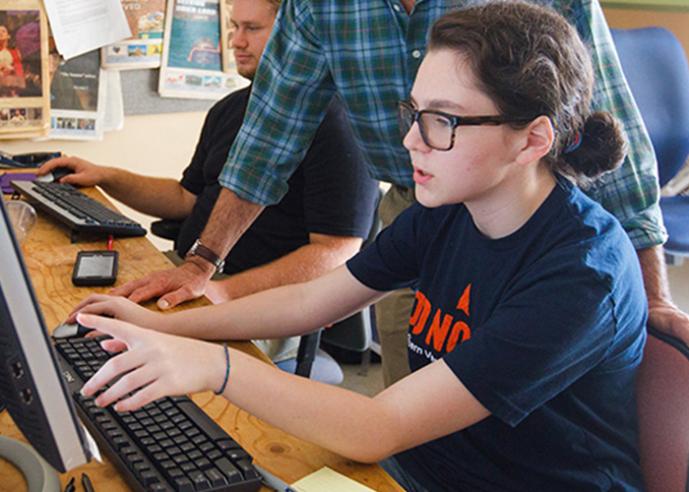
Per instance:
x=24, y=79
x=228, y=63
x=78, y=98
x=192, y=66
x=146, y=20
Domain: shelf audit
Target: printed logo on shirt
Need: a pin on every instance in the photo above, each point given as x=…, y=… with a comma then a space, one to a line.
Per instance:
x=440, y=331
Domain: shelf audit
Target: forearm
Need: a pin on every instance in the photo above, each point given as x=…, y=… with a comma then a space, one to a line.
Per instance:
x=230, y=218
x=283, y=311
x=655, y=275
x=159, y=197
x=350, y=424
x=303, y=264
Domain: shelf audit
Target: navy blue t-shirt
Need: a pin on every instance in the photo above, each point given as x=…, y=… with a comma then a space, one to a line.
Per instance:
x=330, y=193
x=545, y=327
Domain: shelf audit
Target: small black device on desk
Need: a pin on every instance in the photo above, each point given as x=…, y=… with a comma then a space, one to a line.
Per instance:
x=29, y=160
x=95, y=268
x=80, y=213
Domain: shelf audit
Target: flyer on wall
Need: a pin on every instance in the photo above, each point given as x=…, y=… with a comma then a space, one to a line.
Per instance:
x=24, y=79
x=192, y=66
x=80, y=26
x=146, y=20
x=78, y=98
x=228, y=64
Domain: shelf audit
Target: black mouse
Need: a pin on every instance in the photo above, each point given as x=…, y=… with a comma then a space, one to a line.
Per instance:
x=60, y=172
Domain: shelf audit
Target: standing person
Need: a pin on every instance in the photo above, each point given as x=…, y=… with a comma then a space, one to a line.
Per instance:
x=509, y=374
x=368, y=52
x=316, y=226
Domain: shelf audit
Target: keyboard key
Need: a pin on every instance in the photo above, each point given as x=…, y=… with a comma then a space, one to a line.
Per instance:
x=216, y=478
x=229, y=470
x=183, y=484
x=200, y=481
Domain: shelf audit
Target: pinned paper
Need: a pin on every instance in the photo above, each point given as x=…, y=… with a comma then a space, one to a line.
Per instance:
x=80, y=26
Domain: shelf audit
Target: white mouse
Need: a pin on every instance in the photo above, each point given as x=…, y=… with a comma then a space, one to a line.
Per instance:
x=46, y=178
x=68, y=330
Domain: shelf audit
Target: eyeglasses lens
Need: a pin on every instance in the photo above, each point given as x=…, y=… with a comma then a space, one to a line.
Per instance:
x=436, y=130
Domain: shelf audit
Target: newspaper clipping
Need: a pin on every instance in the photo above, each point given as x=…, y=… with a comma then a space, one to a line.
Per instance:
x=192, y=66
x=146, y=20
x=24, y=105
x=77, y=98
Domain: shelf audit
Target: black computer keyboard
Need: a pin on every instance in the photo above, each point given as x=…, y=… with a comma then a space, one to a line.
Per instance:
x=76, y=210
x=168, y=445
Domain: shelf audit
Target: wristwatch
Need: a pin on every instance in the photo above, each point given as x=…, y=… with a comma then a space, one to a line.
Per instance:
x=198, y=249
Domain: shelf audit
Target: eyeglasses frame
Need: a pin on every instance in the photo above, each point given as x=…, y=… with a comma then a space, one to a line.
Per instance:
x=455, y=121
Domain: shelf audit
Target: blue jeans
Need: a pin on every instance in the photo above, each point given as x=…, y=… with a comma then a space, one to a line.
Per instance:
x=395, y=470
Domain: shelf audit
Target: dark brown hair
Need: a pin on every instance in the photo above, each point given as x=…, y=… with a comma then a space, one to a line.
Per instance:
x=530, y=61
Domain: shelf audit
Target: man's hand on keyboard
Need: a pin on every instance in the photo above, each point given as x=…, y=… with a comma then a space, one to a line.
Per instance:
x=175, y=286
x=156, y=365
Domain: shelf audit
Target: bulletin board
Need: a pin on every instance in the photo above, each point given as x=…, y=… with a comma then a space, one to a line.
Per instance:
x=140, y=95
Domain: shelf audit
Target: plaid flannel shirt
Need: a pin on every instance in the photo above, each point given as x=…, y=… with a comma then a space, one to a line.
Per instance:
x=368, y=52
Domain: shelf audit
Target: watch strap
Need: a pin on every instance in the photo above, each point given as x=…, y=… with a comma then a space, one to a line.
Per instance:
x=199, y=249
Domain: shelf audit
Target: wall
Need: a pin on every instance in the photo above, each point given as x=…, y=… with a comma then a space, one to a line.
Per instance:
x=676, y=21
x=156, y=145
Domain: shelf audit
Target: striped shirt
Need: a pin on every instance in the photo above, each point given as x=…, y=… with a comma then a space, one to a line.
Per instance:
x=368, y=52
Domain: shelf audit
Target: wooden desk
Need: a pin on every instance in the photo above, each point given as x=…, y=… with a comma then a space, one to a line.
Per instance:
x=49, y=256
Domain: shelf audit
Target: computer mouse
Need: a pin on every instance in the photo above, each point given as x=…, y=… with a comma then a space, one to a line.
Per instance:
x=46, y=178
x=55, y=175
x=61, y=172
x=69, y=330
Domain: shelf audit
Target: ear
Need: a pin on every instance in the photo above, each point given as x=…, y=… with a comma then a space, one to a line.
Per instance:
x=539, y=137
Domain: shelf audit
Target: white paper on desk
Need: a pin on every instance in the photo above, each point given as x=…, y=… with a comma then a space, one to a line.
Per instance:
x=85, y=25
x=328, y=479
x=114, y=105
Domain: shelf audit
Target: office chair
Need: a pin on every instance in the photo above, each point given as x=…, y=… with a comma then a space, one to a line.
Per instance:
x=657, y=71
x=166, y=228
x=663, y=405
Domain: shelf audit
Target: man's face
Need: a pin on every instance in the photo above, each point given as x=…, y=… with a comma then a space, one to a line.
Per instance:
x=251, y=22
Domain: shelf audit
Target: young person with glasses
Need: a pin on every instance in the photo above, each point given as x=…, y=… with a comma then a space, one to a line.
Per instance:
x=369, y=52
x=528, y=326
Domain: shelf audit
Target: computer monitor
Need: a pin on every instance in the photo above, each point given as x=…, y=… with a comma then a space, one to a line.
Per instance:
x=31, y=383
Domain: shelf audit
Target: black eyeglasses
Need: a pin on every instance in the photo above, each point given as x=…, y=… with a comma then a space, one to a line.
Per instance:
x=438, y=128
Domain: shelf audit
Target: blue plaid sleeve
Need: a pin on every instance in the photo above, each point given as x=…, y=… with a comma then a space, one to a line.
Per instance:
x=290, y=93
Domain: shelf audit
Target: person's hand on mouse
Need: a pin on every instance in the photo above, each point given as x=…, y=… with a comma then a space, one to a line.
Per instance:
x=84, y=173
x=118, y=308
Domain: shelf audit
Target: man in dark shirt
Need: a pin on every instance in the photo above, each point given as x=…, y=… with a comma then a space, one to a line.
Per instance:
x=318, y=225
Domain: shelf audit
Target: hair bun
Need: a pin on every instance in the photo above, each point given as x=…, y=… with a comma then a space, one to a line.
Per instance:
x=603, y=147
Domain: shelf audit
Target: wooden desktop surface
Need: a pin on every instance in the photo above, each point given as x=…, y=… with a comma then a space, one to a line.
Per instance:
x=49, y=256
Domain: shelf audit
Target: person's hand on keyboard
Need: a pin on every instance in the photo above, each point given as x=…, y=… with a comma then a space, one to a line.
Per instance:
x=156, y=365
x=83, y=173
x=118, y=308
x=177, y=285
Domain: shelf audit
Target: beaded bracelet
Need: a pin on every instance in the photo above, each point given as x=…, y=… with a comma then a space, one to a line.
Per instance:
x=227, y=370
